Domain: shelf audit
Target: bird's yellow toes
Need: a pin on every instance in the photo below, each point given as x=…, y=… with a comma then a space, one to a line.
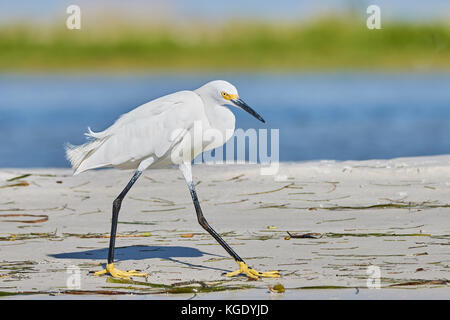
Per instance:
x=100, y=273
x=251, y=273
x=116, y=273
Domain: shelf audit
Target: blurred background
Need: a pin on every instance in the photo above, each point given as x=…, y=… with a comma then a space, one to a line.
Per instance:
x=312, y=69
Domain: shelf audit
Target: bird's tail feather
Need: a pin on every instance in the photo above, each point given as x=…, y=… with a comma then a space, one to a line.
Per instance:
x=94, y=135
x=77, y=154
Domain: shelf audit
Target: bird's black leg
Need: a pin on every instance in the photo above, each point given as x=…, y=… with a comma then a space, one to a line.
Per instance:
x=243, y=268
x=112, y=241
x=202, y=220
x=117, y=203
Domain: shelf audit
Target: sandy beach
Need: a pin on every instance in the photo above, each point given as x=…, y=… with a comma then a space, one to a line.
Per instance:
x=343, y=217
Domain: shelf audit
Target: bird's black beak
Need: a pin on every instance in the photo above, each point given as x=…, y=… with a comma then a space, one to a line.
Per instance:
x=241, y=104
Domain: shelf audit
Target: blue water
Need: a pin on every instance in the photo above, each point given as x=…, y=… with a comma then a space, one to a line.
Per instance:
x=339, y=116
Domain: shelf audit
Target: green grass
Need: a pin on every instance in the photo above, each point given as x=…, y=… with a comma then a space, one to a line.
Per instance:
x=328, y=43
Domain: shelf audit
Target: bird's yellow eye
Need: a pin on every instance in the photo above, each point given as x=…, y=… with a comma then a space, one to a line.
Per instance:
x=228, y=96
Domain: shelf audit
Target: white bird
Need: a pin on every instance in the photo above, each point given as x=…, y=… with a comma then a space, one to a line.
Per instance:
x=158, y=134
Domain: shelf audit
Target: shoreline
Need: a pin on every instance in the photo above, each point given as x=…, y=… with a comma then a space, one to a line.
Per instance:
x=392, y=214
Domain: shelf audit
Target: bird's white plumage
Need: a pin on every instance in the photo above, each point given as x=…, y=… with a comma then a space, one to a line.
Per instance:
x=172, y=129
x=149, y=134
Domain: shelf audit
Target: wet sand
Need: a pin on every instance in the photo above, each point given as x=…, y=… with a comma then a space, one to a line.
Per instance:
x=343, y=217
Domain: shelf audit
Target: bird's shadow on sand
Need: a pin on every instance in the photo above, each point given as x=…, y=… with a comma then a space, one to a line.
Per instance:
x=140, y=253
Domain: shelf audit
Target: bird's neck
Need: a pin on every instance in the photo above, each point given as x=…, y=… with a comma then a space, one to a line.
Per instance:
x=219, y=117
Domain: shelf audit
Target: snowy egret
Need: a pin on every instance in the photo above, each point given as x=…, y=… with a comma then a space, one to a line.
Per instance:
x=154, y=136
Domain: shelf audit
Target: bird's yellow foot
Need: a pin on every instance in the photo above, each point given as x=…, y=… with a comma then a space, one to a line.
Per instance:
x=116, y=273
x=251, y=273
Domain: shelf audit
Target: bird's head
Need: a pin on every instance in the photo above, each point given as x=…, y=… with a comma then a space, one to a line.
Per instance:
x=224, y=93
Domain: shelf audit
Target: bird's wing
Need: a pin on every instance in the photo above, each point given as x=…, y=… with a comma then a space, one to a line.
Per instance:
x=149, y=130
x=147, y=110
